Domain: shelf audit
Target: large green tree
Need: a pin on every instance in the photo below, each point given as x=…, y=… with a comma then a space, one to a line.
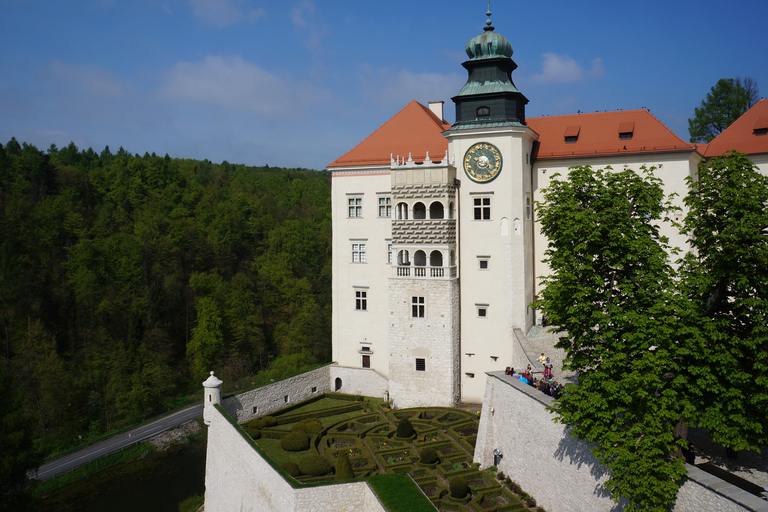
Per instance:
x=725, y=280
x=728, y=99
x=611, y=290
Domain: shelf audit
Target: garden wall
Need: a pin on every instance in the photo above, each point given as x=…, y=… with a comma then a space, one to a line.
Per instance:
x=238, y=478
x=359, y=381
x=273, y=397
x=551, y=465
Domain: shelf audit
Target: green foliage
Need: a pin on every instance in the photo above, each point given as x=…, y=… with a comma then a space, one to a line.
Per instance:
x=315, y=465
x=428, y=455
x=405, y=429
x=269, y=421
x=726, y=357
x=726, y=102
x=291, y=468
x=309, y=426
x=125, y=279
x=612, y=290
x=17, y=453
x=192, y=504
x=459, y=487
x=295, y=442
x=344, y=469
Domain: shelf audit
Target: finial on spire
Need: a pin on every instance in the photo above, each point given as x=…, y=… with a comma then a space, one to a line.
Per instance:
x=488, y=21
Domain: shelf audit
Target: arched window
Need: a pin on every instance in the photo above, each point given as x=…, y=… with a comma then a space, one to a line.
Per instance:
x=420, y=259
x=436, y=259
x=402, y=211
x=419, y=211
x=483, y=111
x=337, y=384
x=436, y=210
x=403, y=258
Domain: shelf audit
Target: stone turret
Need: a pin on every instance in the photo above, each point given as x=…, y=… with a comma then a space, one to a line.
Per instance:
x=211, y=396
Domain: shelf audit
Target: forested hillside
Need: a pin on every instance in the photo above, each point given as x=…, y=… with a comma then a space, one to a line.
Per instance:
x=124, y=279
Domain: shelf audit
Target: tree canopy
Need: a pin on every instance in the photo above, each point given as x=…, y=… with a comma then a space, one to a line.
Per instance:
x=727, y=100
x=124, y=279
x=656, y=348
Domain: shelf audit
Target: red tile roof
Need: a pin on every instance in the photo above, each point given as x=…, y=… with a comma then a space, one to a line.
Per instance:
x=741, y=134
x=599, y=134
x=415, y=130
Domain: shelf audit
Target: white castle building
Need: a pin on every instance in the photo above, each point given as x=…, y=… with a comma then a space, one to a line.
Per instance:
x=436, y=250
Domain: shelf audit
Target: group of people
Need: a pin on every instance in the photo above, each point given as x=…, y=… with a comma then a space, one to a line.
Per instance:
x=546, y=384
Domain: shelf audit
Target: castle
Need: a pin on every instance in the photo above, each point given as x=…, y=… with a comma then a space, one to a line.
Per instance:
x=437, y=252
x=437, y=256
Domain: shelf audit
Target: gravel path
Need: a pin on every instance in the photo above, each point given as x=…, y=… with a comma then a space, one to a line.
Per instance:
x=748, y=465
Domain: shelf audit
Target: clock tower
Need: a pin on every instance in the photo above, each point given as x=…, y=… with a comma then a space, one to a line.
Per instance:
x=492, y=147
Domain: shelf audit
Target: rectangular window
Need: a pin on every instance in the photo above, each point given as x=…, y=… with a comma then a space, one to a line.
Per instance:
x=417, y=307
x=366, y=361
x=482, y=312
x=358, y=253
x=528, y=206
x=355, y=206
x=483, y=262
x=361, y=300
x=421, y=365
x=482, y=207
x=314, y=389
x=389, y=253
x=385, y=207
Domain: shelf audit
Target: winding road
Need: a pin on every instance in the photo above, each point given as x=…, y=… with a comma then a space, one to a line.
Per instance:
x=94, y=451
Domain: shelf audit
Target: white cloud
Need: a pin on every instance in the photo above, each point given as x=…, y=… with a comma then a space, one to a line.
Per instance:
x=89, y=79
x=235, y=84
x=563, y=68
x=222, y=13
x=387, y=87
x=306, y=21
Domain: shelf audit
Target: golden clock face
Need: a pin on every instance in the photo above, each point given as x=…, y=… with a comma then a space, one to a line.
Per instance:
x=482, y=162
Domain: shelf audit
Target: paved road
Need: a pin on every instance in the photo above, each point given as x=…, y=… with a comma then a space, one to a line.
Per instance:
x=75, y=459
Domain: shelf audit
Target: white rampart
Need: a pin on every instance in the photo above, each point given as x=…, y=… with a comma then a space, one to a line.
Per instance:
x=549, y=464
x=359, y=381
x=238, y=478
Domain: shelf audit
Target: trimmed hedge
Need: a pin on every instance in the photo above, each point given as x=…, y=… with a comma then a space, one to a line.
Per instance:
x=405, y=429
x=344, y=469
x=291, y=468
x=428, y=455
x=309, y=426
x=295, y=442
x=315, y=465
x=459, y=487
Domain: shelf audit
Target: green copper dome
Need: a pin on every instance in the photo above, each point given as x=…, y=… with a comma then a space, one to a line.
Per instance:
x=487, y=45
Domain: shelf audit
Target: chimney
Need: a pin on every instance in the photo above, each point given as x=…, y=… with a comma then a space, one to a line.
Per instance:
x=437, y=108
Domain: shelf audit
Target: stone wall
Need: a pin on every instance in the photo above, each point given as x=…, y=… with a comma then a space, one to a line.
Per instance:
x=550, y=465
x=238, y=478
x=273, y=397
x=359, y=381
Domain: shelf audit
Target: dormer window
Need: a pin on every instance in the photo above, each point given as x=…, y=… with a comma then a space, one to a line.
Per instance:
x=761, y=127
x=626, y=131
x=572, y=134
x=483, y=112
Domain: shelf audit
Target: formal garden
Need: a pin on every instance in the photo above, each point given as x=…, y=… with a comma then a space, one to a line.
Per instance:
x=341, y=437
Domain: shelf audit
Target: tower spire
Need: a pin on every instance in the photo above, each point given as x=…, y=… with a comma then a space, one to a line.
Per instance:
x=488, y=21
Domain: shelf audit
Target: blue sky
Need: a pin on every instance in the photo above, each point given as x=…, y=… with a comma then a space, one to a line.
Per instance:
x=297, y=83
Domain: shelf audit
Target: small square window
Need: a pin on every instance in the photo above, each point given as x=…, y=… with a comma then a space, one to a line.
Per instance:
x=361, y=300
x=482, y=208
x=470, y=375
x=314, y=389
x=483, y=263
x=572, y=139
x=417, y=307
x=385, y=207
x=285, y=398
x=355, y=206
x=421, y=365
x=482, y=312
x=255, y=409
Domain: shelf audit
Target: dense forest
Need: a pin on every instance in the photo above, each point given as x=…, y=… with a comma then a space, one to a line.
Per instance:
x=124, y=279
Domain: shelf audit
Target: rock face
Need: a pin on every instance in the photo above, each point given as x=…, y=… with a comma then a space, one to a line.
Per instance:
x=179, y=434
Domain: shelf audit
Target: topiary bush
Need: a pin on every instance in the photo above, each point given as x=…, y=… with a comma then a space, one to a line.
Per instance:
x=459, y=487
x=405, y=429
x=428, y=455
x=310, y=426
x=269, y=421
x=295, y=442
x=291, y=468
x=344, y=469
x=315, y=465
x=253, y=432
